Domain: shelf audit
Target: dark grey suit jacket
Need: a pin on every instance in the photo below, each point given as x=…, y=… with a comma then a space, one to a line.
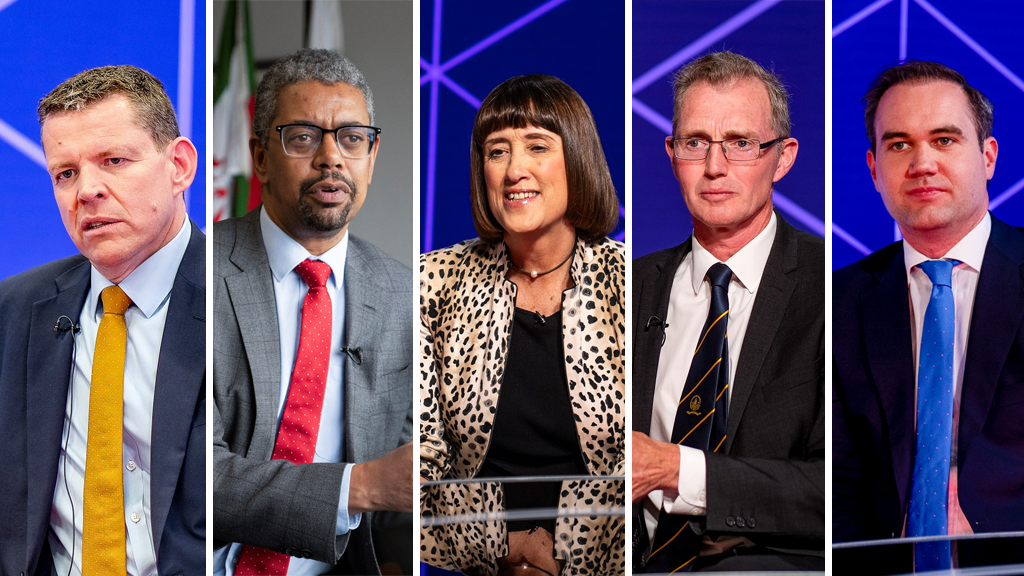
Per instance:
x=272, y=503
x=35, y=368
x=768, y=484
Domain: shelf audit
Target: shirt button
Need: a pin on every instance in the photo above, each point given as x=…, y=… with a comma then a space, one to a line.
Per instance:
x=130, y=465
x=135, y=517
x=702, y=495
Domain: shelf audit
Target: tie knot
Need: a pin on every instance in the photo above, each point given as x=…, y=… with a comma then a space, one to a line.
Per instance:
x=719, y=275
x=314, y=272
x=940, y=272
x=115, y=301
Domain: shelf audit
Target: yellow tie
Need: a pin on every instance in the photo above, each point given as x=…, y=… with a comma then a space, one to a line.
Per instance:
x=103, y=549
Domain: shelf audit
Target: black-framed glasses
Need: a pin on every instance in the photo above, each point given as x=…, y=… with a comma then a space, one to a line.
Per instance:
x=302, y=140
x=735, y=149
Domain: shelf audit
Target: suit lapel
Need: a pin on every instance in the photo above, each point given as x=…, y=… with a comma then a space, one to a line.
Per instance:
x=48, y=371
x=995, y=321
x=885, y=314
x=363, y=330
x=652, y=295
x=251, y=291
x=772, y=301
x=179, y=379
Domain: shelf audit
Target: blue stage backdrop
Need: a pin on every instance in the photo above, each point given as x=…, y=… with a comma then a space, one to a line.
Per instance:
x=980, y=40
x=467, y=48
x=43, y=43
x=785, y=36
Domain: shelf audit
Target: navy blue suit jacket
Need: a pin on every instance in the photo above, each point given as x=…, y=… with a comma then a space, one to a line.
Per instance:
x=35, y=368
x=873, y=401
x=767, y=484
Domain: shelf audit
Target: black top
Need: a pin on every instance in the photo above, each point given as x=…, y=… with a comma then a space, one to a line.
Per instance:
x=534, y=428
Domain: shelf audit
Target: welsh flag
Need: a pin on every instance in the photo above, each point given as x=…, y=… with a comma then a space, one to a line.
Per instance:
x=235, y=188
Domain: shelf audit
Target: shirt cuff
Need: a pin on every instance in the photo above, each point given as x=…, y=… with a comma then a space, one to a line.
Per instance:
x=346, y=522
x=691, y=493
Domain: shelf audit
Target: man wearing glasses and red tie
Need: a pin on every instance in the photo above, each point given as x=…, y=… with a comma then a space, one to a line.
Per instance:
x=928, y=337
x=312, y=345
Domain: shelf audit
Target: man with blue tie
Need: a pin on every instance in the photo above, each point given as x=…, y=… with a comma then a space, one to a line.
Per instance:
x=928, y=337
x=102, y=371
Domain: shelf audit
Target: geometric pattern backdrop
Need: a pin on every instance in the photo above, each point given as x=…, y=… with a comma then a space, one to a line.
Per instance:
x=979, y=40
x=467, y=48
x=43, y=43
x=787, y=36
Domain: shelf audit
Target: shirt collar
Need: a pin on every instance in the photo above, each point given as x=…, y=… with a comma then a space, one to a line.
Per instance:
x=285, y=253
x=970, y=249
x=150, y=283
x=747, y=265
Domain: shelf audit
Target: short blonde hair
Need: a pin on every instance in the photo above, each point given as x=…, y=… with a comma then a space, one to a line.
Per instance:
x=153, y=109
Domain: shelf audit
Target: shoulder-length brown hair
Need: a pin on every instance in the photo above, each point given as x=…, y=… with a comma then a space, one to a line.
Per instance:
x=547, y=102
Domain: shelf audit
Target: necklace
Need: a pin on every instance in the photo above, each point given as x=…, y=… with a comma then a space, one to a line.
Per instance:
x=534, y=273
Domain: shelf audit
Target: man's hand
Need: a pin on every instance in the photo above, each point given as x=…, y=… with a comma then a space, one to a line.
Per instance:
x=655, y=465
x=383, y=484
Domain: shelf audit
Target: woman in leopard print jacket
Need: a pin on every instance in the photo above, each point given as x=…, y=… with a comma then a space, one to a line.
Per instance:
x=531, y=313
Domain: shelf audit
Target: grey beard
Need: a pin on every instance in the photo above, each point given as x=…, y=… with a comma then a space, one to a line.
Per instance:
x=325, y=219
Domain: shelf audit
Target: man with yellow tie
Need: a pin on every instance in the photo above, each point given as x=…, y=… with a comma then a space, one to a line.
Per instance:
x=102, y=371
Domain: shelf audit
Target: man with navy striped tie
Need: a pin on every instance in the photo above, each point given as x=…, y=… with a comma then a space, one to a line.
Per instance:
x=729, y=340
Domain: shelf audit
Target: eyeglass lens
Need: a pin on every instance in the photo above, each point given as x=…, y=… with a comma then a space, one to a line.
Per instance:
x=697, y=149
x=354, y=141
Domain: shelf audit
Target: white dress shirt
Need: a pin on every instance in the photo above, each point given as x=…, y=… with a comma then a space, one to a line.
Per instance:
x=290, y=290
x=689, y=303
x=149, y=287
x=970, y=251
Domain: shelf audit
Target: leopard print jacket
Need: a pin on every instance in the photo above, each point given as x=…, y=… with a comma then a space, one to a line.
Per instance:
x=466, y=314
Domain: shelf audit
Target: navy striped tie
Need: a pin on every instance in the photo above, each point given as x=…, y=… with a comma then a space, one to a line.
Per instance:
x=700, y=422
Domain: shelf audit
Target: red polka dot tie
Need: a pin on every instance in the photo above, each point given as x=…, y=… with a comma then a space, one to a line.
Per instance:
x=300, y=423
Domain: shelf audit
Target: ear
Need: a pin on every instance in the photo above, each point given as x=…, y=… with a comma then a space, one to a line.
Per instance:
x=790, y=147
x=990, y=149
x=259, y=159
x=185, y=160
x=871, y=166
x=373, y=160
x=671, y=155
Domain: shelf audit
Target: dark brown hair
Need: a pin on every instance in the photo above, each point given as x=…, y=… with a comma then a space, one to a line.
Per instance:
x=547, y=102
x=919, y=72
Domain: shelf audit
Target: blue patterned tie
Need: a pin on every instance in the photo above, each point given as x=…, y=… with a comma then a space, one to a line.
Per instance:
x=700, y=422
x=930, y=489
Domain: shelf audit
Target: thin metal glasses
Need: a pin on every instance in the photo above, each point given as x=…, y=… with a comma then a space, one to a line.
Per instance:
x=302, y=140
x=735, y=149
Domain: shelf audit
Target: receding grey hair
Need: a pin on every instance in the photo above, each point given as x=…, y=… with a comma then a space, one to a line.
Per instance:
x=306, y=65
x=721, y=67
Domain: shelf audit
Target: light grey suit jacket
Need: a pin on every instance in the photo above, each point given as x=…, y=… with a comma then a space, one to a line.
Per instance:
x=274, y=504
